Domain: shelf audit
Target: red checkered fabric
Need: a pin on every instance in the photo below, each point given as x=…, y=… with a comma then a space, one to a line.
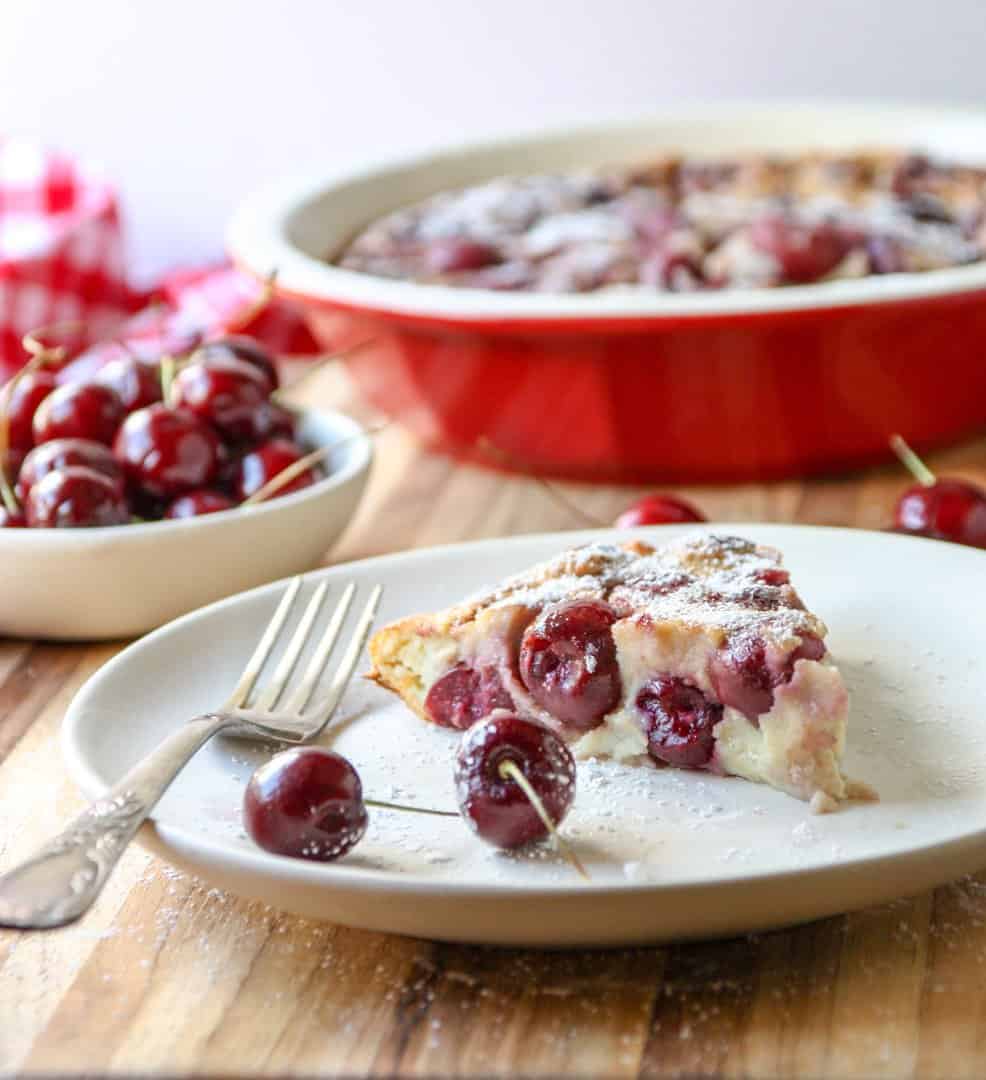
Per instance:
x=62, y=259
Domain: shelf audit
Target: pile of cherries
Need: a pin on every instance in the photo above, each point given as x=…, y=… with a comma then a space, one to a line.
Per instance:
x=514, y=781
x=111, y=450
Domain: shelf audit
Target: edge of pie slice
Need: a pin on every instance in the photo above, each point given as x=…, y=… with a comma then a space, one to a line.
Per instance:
x=698, y=654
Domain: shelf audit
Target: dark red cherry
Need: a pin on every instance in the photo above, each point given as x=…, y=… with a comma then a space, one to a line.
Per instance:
x=568, y=662
x=79, y=411
x=452, y=254
x=197, y=504
x=673, y=271
x=28, y=393
x=742, y=678
x=679, y=722
x=137, y=383
x=60, y=453
x=238, y=347
x=263, y=463
x=166, y=452
x=306, y=803
x=494, y=804
x=225, y=394
x=659, y=510
x=75, y=497
x=12, y=519
x=945, y=510
x=804, y=252
x=272, y=421
x=464, y=695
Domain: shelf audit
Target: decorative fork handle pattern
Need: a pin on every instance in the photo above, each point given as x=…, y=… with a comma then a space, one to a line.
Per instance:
x=62, y=881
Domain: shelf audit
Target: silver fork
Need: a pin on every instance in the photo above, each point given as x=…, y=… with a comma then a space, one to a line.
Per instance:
x=63, y=879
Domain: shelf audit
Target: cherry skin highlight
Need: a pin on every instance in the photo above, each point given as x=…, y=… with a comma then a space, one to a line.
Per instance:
x=494, y=805
x=306, y=803
x=166, y=452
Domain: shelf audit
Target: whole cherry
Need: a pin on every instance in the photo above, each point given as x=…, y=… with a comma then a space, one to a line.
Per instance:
x=951, y=510
x=79, y=411
x=137, y=382
x=306, y=803
x=23, y=400
x=166, y=452
x=60, y=453
x=197, y=504
x=238, y=348
x=514, y=779
x=259, y=466
x=225, y=393
x=659, y=510
x=803, y=251
x=75, y=497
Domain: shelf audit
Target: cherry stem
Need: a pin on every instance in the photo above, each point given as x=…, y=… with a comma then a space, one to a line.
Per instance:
x=560, y=499
x=410, y=809
x=303, y=464
x=510, y=770
x=169, y=369
x=914, y=465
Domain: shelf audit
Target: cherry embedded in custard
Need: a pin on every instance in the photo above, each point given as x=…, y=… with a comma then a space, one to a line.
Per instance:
x=568, y=662
x=659, y=510
x=494, y=804
x=464, y=695
x=742, y=678
x=60, y=453
x=137, y=383
x=260, y=465
x=79, y=411
x=75, y=497
x=804, y=252
x=453, y=254
x=306, y=803
x=198, y=504
x=679, y=722
x=226, y=394
x=166, y=452
x=25, y=397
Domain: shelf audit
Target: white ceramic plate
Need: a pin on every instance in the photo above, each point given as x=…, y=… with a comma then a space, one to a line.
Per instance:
x=672, y=854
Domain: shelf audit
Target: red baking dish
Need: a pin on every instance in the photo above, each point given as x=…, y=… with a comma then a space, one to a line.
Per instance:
x=636, y=386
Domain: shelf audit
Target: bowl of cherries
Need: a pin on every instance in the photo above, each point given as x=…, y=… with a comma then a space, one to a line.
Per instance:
x=155, y=487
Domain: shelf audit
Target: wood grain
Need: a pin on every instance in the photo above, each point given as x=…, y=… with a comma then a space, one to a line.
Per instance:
x=169, y=976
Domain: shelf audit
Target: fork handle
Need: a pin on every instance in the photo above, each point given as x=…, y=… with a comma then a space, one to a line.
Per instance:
x=61, y=882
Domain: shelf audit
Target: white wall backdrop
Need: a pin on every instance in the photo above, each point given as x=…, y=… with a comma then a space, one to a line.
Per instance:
x=190, y=103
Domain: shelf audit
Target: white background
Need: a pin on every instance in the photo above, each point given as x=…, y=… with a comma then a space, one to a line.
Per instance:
x=190, y=103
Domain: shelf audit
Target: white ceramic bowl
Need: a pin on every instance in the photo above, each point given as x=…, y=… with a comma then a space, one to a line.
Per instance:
x=88, y=584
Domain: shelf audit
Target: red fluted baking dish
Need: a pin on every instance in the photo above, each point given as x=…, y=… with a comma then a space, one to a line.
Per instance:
x=634, y=386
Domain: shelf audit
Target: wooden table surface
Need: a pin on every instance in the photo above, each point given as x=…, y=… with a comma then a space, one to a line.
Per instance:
x=168, y=975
